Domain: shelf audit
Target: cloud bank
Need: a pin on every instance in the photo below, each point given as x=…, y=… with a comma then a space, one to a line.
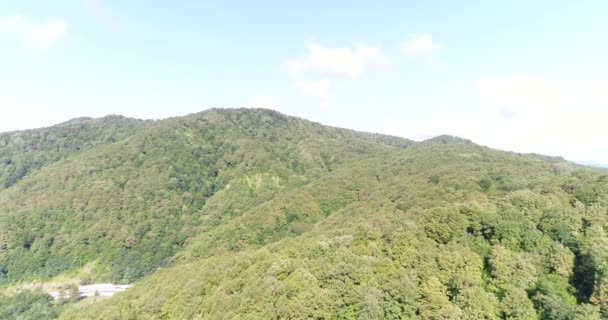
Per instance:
x=346, y=61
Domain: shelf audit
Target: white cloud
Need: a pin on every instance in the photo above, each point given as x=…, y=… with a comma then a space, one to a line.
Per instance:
x=527, y=113
x=36, y=35
x=420, y=45
x=349, y=61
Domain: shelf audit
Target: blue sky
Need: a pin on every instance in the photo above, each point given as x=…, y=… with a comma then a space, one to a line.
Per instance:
x=528, y=76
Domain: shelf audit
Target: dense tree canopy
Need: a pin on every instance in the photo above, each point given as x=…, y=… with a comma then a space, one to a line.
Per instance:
x=250, y=214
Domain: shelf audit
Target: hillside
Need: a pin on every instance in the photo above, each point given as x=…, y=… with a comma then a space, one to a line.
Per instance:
x=251, y=214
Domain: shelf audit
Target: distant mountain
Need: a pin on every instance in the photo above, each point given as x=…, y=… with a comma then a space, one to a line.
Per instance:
x=252, y=214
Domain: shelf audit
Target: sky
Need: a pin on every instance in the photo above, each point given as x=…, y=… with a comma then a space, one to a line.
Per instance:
x=524, y=76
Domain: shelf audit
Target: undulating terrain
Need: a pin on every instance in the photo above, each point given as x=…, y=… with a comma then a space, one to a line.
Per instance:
x=251, y=214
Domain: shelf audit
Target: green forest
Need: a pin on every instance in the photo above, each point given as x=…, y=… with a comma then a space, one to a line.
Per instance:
x=252, y=214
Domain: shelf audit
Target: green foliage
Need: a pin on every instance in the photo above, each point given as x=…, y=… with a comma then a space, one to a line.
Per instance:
x=24, y=152
x=249, y=214
x=28, y=305
x=553, y=298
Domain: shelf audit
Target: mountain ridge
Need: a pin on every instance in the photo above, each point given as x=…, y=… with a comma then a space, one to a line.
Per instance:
x=249, y=213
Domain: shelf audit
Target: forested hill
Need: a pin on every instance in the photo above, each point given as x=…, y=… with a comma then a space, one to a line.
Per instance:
x=22, y=152
x=251, y=214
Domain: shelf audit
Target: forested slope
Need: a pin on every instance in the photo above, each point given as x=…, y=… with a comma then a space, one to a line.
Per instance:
x=250, y=214
x=22, y=152
x=131, y=204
